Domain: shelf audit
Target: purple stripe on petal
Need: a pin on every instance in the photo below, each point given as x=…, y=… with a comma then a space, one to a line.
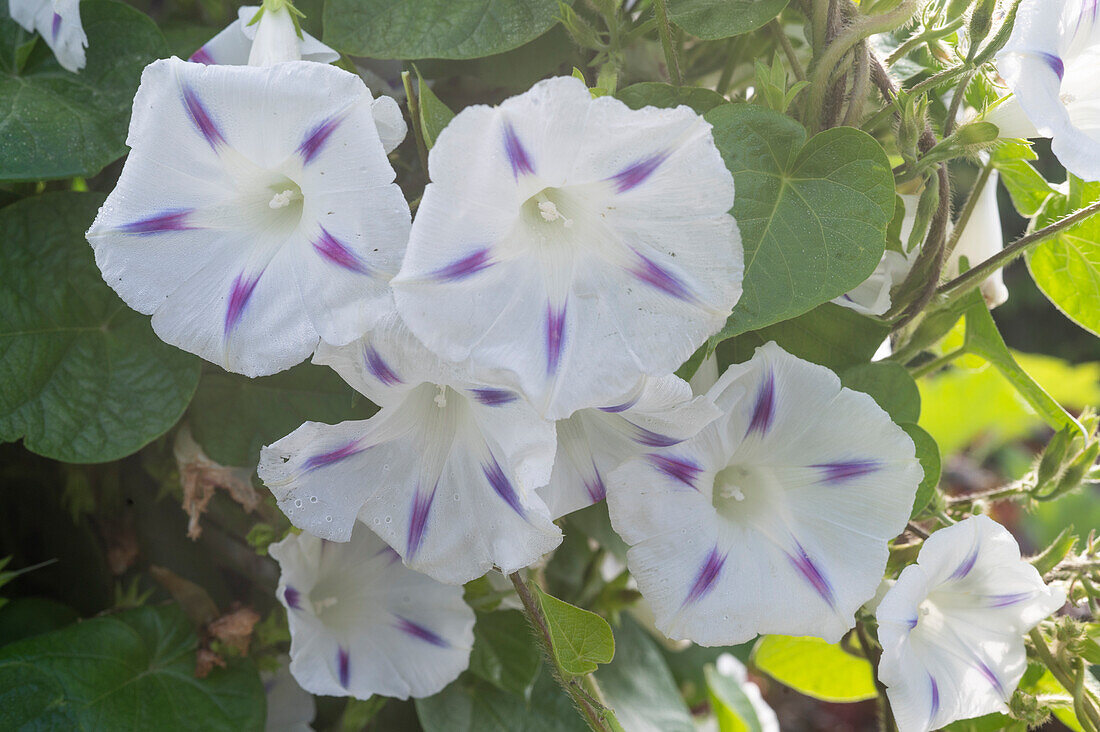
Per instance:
x=174, y=220
x=999, y=601
x=389, y=553
x=243, y=288
x=317, y=138
x=634, y=175
x=1056, y=64
x=201, y=118
x=343, y=665
x=652, y=439
x=331, y=249
x=517, y=155
x=991, y=677
x=839, y=472
x=597, y=491
x=500, y=483
x=935, y=698
x=293, y=598
x=420, y=632
x=494, y=397
x=679, y=469
x=333, y=456
x=967, y=564
x=648, y=271
x=912, y=622
x=463, y=268
x=555, y=333
x=202, y=56
x=763, y=411
x=55, y=26
x=802, y=562
x=620, y=407
x=706, y=577
x=378, y=366
x=418, y=520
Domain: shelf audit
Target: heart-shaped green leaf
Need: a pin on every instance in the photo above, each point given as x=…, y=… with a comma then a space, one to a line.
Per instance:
x=714, y=19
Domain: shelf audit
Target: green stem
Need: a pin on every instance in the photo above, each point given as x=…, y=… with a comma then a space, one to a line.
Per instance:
x=664, y=29
x=976, y=275
x=414, y=121
x=873, y=656
x=936, y=364
x=860, y=83
x=788, y=50
x=956, y=103
x=583, y=689
x=936, y=79
x=1088, y=715
x=901, y=51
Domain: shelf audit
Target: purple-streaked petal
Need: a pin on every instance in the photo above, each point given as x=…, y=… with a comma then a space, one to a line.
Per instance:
x=999, y=601
x=967, y=564
x=202, y=56
x=935, y=698
x=912, y=622
x=620, y=407
x=991, y=677
x=460, y=269
x=597, y=491
x=343, y=665
x=420, y=632
x=555, y=332
x=55, y=26
x=763, y=411
x=332, y=456
x=1056, y=64
x=517, y=155
x=494, y=397
x=500, y=483
x=841, y=471
x=680, y=469
x=334, y=251
x=317, y=138
x=634, y=175
x=174, y=220
x=802, y=562
x=378, y=366
x=648, y=271
x=390, y=553
x=706, y=577
x=243, y=288
x=652, y=439
x=293, y=598
x=418, y=520
x=201, y=118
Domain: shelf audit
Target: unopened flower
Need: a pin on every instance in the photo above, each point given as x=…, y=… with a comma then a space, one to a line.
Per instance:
x=570, y=245
x=775, y=518
x=952, y=626
x=256, y=213
x=872, y=296
x=982, y=238
x=233, y=45
x=58, y=22
x=594, y=442
x=1050, y=64
x=361, y=623
x=446, y=471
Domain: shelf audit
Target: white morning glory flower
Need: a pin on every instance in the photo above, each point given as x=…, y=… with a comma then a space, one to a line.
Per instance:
x=569, y=245
x=872, y=296
x=362, y=623
x=233, y=45
x=980, y=240
x=256, y=214
x=952, y=626
x=446, y=471
x=593, y=442
x=775, y=518
x=1050, y=64
x=58, y=22
x=290, y=708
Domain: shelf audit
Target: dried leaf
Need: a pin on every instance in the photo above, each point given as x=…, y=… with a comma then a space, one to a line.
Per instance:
x=200, y=477
x=234, y=629
x=205, y=661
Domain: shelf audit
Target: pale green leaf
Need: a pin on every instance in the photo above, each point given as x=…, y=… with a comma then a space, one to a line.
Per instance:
x=815, y=668
x=1066, y=267
x=928, y=453
x=732, y=708
x=434, y=114
x=582, y=640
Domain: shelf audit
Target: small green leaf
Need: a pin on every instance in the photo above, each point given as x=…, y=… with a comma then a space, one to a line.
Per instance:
x=928, y=453
x=132, y=670
x=1058, y=550
x=815, y=668
x=471, y=704
x=56, y=124
x=452, y=29
x=83, y=378
x=890, y=385
x=1028, y=189
x=732, y=708
x=434, y=114
x=813, y=213
x=658, y=94
x=505, y=653
x=582, y=640
x=1066, y=267
x=714, y=19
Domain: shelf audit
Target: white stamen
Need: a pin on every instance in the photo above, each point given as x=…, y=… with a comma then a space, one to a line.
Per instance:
x=321, y=605
x=282, y=200
x=441, y=398
x=549, y=212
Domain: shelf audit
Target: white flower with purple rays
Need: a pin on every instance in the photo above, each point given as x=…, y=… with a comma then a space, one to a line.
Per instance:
x=775, y=518
x=872, y=296
x=362, y=623
x=952, y=627
x=233, y=45
x=1050, y=64
x=256, y=213
x=981, y=239
x=446, y=471
x=593, y=442
x=569, y=245
x=58, y=22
